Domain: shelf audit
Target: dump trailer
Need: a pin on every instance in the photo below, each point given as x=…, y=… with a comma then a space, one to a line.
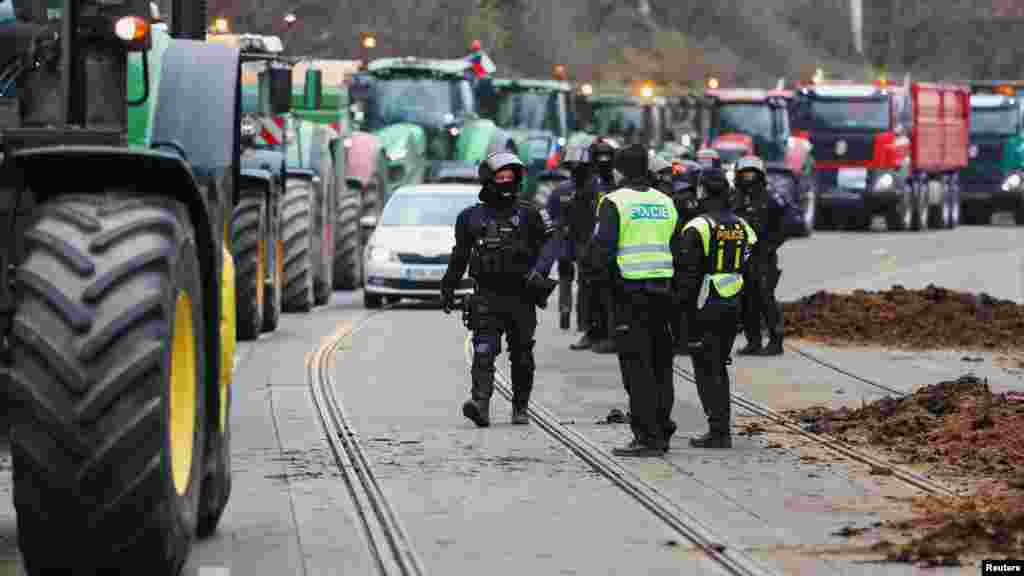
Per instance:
x=888, y=150
x=118, y=177
x=994, y=177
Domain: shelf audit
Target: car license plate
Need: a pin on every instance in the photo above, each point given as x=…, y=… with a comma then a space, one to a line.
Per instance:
x=855, y=178
x=421, y=273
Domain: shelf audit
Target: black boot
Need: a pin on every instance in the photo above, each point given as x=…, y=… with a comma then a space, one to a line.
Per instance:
x=520, y=415
x=670, y=429
x=584, y=343
x=712, y=440
x=774, y=348
x=478, y=410
x=753, y=348
x=637, y=449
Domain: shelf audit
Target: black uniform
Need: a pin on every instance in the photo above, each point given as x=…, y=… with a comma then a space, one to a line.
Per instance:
x=594, y=297
x=642, y=331
x=684, y=196
x=504, y=242
x=717, y=319
x=764, y=212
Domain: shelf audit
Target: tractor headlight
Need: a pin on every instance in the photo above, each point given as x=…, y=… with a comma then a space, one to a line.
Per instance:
x=1012, y=183
x=250, y=127
x=396, y=154
x=347, y=142
x=884, y=182
x=380, y=254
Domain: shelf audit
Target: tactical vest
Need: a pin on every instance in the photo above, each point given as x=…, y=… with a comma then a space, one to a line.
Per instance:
x=647, y=220
x=500, y=248
x=726, y=245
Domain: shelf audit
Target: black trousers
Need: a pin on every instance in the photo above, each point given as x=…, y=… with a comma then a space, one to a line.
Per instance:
x=760, y=282
x=644, y=348
x=717, y=323
x=493, y=315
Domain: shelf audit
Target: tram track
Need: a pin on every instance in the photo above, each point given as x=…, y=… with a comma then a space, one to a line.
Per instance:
x=389, y=544
x=831, y=443
x=731, y=558
x=840, y=370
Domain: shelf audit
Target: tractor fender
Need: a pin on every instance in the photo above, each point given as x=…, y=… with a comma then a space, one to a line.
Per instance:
x=478, y=138
x=361, y=158
x=46, y=171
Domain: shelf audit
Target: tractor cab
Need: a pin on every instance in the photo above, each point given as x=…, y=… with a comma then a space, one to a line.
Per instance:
x=629, y=119
x=753, y=119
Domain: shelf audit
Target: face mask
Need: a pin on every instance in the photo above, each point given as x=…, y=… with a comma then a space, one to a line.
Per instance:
x=506, y=190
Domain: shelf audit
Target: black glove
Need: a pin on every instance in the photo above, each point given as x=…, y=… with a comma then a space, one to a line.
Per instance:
x=540, y=287
x=447, y=300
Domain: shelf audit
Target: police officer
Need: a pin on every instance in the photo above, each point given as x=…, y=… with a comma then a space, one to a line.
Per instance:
x=559, y=204
x=660, y=174
x=685, y=179
x=593, y=296
x=637, y=228
x=764, y=210
x=506, y=243
x=715, y=249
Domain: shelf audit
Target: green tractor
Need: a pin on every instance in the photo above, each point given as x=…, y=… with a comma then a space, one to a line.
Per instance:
x=120, y=148
x=422, y=111
x=630, y=119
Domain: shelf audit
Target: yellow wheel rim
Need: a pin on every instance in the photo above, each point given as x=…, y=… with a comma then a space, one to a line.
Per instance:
x=279, y=267
x=183, y=393
x=228, y=340
x=261, y=259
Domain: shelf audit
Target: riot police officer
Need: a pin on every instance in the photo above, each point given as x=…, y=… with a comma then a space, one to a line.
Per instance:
x=660, y=174
x=685, y=179
x=559, y=204
x=593, y=295
x=638, y=225
x=506, y=243
x=715, y=248
x=764, y=210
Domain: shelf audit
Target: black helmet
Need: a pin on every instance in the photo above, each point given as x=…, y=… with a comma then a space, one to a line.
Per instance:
x=575, y=156
x=714, y=183
x=750, y=169
x=602, y=152
x=497, y=162
x=659, y=166
x=632, y=161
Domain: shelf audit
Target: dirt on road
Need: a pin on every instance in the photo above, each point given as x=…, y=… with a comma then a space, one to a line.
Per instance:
x=959, y=431
x=932, y=318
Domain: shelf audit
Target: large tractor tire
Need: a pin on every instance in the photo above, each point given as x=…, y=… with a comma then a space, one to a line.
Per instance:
x=348, y=258
x=108, y=361
x=274, y=286
x=217, y=465
x=297, y=233
x=373, y=198
x=251, y=246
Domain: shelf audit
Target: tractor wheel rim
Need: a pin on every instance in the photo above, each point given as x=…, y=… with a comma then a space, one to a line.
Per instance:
x=279, y=267
x=183, y=393
x=261, y=258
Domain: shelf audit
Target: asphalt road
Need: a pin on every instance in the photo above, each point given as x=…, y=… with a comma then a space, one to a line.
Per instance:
x=511, y=500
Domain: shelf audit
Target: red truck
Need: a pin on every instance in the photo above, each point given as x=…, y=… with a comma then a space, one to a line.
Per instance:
x=895, y=151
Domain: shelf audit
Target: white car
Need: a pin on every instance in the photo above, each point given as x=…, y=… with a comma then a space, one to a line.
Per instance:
x=407, y=253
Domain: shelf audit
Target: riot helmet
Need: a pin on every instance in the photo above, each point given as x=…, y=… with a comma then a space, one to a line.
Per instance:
x=660, y=173
x=751, y=179
x=709, y=158
x=713, y=184
x=492, y=173
x=577, y=161
x=602, y=158
x=632, y=161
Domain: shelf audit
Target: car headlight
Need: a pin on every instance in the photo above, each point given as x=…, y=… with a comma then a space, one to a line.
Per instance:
x=884, y=182
x=380, y=254
x=1012, y=183
x=397, y=154
x=250, y=127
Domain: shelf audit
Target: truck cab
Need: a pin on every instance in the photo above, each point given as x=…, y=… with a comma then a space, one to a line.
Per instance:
x=992, y=180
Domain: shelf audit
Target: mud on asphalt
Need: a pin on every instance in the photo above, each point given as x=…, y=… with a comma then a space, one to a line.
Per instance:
x=956, y=431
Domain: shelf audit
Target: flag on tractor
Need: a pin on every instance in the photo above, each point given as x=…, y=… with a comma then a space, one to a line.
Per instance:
x=481, y=63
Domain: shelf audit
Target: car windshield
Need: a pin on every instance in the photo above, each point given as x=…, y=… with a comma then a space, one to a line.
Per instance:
x=995, y=121
x=752, y=119
x=425, y=209
x=424, y=101
x=528, y=110
x=620, y=120
x=861, y=114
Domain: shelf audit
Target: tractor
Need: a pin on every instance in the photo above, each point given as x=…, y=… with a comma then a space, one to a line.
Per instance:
x=736, y=122
x=118, y=177
x=422, y=111
x=256, y=227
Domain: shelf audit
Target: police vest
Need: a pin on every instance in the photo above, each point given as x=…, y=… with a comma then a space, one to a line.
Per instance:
x=725, y=246
x=500, y=247
x=647, y=220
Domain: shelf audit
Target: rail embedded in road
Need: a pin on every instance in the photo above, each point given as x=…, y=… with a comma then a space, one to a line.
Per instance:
x=388, y=541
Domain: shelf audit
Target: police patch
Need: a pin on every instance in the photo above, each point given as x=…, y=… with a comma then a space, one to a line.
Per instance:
x=649, y=212
x=515, y=219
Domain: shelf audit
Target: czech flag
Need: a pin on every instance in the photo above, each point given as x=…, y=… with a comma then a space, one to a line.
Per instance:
x=482, y=65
